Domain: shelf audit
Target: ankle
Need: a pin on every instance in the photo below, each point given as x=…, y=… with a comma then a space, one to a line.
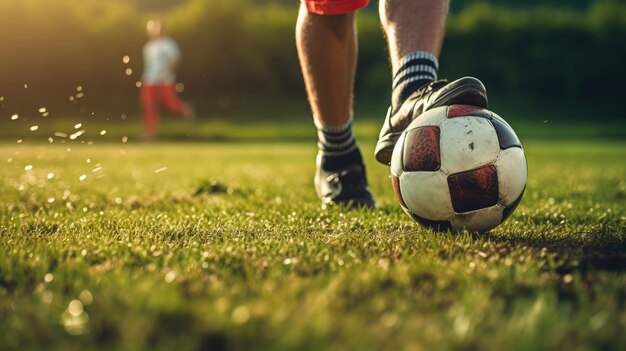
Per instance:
x=333, y=163
x=415, y=70
x=337, y=146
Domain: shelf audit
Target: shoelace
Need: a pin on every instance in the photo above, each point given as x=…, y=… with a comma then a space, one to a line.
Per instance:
x=430, y=87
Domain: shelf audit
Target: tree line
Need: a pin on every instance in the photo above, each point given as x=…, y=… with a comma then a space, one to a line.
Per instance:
x=239, y=48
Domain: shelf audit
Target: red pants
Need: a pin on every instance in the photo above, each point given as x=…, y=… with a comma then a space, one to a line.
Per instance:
x=334, y=7
x=159, y=94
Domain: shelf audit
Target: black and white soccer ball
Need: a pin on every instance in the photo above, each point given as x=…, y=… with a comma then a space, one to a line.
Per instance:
x=459, y=167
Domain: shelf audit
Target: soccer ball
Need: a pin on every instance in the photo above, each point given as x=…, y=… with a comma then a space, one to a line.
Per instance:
x=459, y=167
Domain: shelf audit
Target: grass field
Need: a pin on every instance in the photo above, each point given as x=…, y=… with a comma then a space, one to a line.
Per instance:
x=224, y=246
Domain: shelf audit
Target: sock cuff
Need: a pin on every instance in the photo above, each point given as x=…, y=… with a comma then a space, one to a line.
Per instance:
x=330, y=145
x=414, y=71
x=427, y=72
x=418, y=57
x=338, y=152
x=333, y=129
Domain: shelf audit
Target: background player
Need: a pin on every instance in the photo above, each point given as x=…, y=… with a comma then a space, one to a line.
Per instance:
x=161, y=57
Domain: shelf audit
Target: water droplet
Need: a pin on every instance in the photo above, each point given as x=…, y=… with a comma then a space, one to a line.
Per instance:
x=103, y=132
x=138, y=84
x=50, y=200
x=170, y=276
x=28, y=167
x=60, y=134
x=86, y=297
x=15, y=116
x=48, y=277
x=77, y=134
x=126, y=59
x=124, y=139
x=75, y=308
x=34, y=128
x=180, y=87
x=159, y=170
x=78, y=125
x=82, y=177
x=42, y=109
x=129, y=71
x=79, y=88
x=50, y=175
x=241, y=315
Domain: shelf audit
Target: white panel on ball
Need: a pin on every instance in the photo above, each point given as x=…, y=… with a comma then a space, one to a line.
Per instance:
x=396, y=156
x=480, y=220
x=512, y=174
x=467, y=143
x=433, y=117
x=427, y=194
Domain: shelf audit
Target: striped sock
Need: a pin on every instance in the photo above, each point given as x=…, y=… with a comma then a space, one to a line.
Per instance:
x=337, y=146
x=415, y=70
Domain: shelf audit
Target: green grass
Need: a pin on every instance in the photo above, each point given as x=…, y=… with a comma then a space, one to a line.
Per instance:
x=135, y=257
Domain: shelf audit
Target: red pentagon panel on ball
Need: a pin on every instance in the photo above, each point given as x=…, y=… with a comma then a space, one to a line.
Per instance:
x=421, y=150
x=395, y=181
x=467, y=110
x=475, y=189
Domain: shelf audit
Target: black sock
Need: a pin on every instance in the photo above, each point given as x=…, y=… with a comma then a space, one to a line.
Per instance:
x=414, y=71
x=337, y=147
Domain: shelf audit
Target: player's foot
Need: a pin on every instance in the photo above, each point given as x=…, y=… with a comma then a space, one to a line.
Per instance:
x=190, y=113
x=147, y=138
x=465, y=91
x=345, y=187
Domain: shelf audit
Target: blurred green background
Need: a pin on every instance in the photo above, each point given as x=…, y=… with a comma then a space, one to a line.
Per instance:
x=562, y=59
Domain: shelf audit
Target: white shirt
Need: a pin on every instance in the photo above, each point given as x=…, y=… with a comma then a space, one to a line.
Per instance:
x=158, y=55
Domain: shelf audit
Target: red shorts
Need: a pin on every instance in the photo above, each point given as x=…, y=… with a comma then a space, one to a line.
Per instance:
x=334, y=7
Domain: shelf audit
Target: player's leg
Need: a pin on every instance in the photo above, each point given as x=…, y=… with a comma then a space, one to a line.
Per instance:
x=413, y=26
x=149, y=109
x=415, y=31
x=327, y=51
x=173, y=103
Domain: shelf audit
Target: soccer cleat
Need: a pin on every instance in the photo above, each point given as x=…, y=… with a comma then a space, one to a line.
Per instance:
x=347, y=187
x=464, y=91
x=190, y=113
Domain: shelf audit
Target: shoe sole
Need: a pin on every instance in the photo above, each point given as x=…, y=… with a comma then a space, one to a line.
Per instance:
x=386, y=144
x=352, y=204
